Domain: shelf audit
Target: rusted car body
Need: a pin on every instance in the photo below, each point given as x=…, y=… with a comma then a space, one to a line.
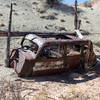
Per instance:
x=44, y=55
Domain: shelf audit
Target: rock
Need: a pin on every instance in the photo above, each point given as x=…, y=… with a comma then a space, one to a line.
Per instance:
x=60, y=28
x=15, y=4
x=41, y=10
x=62, y=20
x=55, y=13
x=24, y=25
x=49, y=17
x=13, y=10
x=87, y=22
x=85, y=18
x=49, y=27
x=25, y=9
x=8, y=6
x=15, y=13
x=46, y=27
x=43, y=17
x=35, y=3
x=52, y=17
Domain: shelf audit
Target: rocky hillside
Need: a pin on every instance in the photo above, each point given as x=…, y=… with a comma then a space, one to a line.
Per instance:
x=34, y=15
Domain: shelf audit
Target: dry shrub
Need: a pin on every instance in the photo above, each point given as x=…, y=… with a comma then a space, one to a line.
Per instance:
x=77, y=94
x=10, y=91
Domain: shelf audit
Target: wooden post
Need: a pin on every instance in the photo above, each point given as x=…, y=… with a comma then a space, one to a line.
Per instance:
x=76, y=17
x=8, y=38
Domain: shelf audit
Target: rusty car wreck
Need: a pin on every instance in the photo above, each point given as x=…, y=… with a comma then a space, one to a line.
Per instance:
x=50, y=54
x=44, y=54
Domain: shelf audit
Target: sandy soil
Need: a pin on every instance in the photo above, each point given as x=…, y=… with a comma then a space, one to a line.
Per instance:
x=71, y=85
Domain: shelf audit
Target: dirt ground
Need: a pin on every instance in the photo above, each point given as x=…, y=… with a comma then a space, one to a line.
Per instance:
x=66, y=86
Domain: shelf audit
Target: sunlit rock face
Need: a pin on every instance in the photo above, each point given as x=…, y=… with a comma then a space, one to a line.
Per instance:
x=92, y=3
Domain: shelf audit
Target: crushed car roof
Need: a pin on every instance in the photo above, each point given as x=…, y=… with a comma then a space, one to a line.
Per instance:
x=38, y=40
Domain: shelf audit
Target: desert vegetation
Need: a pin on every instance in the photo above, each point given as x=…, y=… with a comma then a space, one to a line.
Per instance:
x=15, y=91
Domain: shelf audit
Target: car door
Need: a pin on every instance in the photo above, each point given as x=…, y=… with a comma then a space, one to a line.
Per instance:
x=51, y=59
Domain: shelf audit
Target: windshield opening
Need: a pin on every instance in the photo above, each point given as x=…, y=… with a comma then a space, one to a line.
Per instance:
x=30, y=45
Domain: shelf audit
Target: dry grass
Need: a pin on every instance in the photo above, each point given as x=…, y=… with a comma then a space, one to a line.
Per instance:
x=74, y=94
x=10, y=91
x=44, y=95
x=14, y=91
x=77, y=94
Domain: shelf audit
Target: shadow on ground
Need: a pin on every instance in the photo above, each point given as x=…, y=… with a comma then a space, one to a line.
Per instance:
x=72, y=76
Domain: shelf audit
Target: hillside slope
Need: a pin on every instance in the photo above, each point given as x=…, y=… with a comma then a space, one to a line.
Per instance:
x=34, y=15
